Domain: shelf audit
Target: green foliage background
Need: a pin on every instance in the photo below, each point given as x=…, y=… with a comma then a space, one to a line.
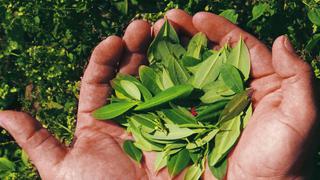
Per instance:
x=44, y=46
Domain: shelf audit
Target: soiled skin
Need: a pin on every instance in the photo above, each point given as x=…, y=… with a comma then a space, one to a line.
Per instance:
x=274, y=145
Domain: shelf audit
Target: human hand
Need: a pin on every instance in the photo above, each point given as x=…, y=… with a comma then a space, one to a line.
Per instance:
x=269, y=148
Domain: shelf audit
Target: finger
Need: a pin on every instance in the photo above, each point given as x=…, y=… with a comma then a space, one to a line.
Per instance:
x=42, y=148
x=136, y=39
x=297, y=86
x=221, y=31
x=95, y=86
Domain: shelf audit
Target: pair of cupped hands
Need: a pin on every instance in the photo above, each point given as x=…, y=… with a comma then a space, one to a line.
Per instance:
x=276, y=144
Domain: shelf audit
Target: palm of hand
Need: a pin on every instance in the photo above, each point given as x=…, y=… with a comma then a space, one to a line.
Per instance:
x=269, y=147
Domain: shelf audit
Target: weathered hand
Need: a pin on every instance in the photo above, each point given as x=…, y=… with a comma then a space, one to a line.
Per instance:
x=276, y=141
x=96, y=152
x=269, y=147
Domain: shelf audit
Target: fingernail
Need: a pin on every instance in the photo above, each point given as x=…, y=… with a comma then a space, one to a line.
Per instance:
x=288, y=45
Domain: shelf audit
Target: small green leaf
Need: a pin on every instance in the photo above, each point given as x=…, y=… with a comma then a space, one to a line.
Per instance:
x=122, y=6
x=132, y=150
x=208, y=71
x=6, y=165
x=144, y=91
x=174, y=133
x=149, y=79
x=225, y=139
x=230, y=14
x=312, y=43
x=131, y=89
x=161, y=161
x=211, y=112
x=167, y=33
x=196, y=45
x=314, y=16
x=141, y=142
x=247, y=116
x=189, y=61
x=232, y=77
x=240, y=58
x=178, y=116
x=220, y=169
x=235, y=106
x=258, y=10
x=166, y=79
x=165, y=96
x=113, y=110
x=196, y=155
x=216, y=91
x=203, y=141
x=25, y=158
x=178, y=73
x=178, y=162
x=146, y=121
x=194, y=172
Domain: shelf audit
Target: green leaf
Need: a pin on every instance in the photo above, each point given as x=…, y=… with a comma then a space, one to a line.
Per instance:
x=189, y=61
x=314, y=16
x=161, y=161
x=132, y=150
x=178, y=116
x=176, y=50
x=232, y=77
x=200, y=142
x=178, y=162
x=196, y=155
x=230, y=14
x=165, y=96
x=141, y=142
x=163, y=53
x=216, y=91
x=122, y=6
x=235, y=106
x=258, y=10
x=174, y=133
x=196, y=45
x=147, y=121
x=208, y=71
x=225, y=139
x=113, y=110
x=312, y=43
x=119, y=91
x=25, y=158
x=240, y=58
x=211, y=112
x=6, y=165
x=131, y=89
x=167, y=33
x=220, y=169
x=194, y=172
x=166, y=79
x=144, y=91
x=247, y=116
x=149, y=79
x=178, y=73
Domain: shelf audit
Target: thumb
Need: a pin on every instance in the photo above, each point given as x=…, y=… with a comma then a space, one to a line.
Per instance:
x=297, y=91
x=285, y=61
x=42, y=148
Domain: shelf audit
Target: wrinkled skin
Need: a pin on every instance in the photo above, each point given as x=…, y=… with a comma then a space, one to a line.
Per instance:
x=275, y=141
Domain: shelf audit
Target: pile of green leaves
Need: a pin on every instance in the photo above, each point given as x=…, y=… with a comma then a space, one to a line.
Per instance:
x=46, y=44
x=190, y=105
